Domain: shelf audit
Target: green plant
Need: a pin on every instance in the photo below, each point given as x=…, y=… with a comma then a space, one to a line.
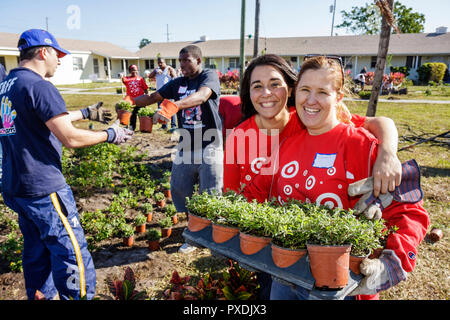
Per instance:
x=364, y=94
x=147, y=208
x=170, y=210
x=146, y=112
x=165, y=223
x=11, y=251
x=126, y=230
x=140, y=220
x=159, y=196
x=165, y=185
x=124, y=105
x=153, y=234
x=238, y=283
x=125, y=289
x=149, y=191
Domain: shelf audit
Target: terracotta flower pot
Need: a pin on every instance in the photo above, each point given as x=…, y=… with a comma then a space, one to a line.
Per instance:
x=161, y=203
x=141, y=228
x=285, y=257
x=168, y=194
x=166, y=232
x=221, y=233
x=252, y=244
x=124, y=116
x=128, y=241
x=329, y=265
x=436, y=234
x=354, y=263
x=145, y=124
x=153, y=245
x=175, y=219
x=149, y=216
x=196, y=223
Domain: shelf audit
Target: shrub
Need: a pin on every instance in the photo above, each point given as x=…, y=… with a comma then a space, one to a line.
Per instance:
x=404, y=70
x=364, y=94
x=433, y=71
x=153, y=234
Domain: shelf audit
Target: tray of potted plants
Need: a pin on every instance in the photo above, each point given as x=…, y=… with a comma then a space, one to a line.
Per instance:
x=287, y=240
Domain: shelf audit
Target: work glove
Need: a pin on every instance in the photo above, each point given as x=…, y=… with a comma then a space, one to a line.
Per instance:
x=380, y=274
x=117, y=134
x=409, y=191
x=97, y=113
x=168, y=109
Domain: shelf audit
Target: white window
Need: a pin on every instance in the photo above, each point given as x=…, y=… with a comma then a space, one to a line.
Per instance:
x=77, y=63
x=234, y=63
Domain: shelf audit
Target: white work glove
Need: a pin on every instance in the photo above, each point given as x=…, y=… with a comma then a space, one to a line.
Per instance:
x=117, y=134
x=380, y=274
x=368, y=205
x=96, y=112
x=157, y=117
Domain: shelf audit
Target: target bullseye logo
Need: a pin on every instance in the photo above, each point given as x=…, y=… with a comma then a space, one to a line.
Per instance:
x=331, y=200
x=256, y=164
x=331, y=171
x=290, y=170
x=287, y=190
x=310, y=182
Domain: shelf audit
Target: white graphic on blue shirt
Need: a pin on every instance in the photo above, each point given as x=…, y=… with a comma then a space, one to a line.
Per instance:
x=7, y=115
x=192, y=117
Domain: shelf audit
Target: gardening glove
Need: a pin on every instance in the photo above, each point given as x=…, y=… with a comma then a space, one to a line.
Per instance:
x=409, y=191
x=117, y=134
x=97, y=113
x=168, y=109
x=380, y=274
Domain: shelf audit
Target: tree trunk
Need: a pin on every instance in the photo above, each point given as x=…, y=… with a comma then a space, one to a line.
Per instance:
x=383, y=47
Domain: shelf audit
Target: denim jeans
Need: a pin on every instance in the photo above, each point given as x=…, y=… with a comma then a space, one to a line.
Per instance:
x=203, y=167
x=281, y=291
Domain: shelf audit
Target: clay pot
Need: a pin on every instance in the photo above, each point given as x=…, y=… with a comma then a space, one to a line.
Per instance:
x=161, y=203
x=128, y=241
x=329, y=265
x=168, y=194
x=376, y=253
x=354, y=263
x=149, y=216
x=285, y=257
x=124, y=116
x=435, y=234
x=221, y=233
x=141, y=228
x=252, y=244
x=196, y=223
x=145, y=124
x=166, y=232
x=153, y=245
x=175, y=219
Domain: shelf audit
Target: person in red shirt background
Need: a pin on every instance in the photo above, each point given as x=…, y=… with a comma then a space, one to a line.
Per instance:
x=136, y=86
x=321, y=164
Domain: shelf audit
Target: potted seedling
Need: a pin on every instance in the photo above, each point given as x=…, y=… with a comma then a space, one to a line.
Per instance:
x=153, y=237
x=171, y=212
x=166, y=226
x=139, y=222
x=127, y=233
x=146, y=119
x=160, y=199
x=147, y=209
x=227, y=217
x=198, y=211
x=124, y=110
x=166, y=189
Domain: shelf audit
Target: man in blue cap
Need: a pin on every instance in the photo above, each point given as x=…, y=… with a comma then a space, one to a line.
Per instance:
x=35, y=125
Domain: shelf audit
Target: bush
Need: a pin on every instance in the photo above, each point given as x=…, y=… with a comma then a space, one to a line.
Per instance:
x=364, y=94
x=433, y=71
x=404, y=70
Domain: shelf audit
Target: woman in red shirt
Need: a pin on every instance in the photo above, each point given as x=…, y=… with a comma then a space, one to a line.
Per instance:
x=136, y=86
x=318, y=164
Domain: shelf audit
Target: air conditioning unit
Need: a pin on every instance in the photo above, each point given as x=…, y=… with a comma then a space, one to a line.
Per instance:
x=203, y=38
x=441, y=30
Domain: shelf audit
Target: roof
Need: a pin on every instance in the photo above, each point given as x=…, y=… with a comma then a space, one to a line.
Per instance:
x=400, y=44
x=102, y=48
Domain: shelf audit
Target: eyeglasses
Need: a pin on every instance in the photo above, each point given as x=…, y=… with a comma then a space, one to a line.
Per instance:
x=331, y=57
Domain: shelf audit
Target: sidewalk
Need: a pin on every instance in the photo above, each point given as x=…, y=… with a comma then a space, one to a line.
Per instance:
x=404, y=101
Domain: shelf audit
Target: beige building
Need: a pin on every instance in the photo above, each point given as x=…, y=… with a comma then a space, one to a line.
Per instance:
x=103, y=61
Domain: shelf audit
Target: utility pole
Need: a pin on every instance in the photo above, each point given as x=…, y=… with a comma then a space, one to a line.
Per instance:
x=46, y=23
x=242, y=55
x=256, y=39
x=167, y=32
x=332, y=21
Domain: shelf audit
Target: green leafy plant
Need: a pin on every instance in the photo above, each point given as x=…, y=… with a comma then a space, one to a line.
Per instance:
x=153, y=234
x=126, y=230
x=159, y=196
x=166, y=222
x=124, y=105
x=147, y=208
x=146, y=112
x=140, y=220
x=125, y=289
x=170, y=210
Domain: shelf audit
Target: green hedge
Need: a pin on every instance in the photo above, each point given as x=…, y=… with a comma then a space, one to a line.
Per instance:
x=431, y=71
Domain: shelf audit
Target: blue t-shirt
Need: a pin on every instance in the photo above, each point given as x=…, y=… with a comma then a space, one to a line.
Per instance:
x=202, y=122
x=31, y=152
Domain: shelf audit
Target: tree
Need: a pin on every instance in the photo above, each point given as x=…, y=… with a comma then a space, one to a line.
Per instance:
x=144, y=42
x=367, y=19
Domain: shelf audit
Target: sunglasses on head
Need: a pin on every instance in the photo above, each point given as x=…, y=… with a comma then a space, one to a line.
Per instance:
x=331, y=57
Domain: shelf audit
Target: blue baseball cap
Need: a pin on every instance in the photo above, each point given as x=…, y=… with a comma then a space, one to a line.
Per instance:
x=39, y=37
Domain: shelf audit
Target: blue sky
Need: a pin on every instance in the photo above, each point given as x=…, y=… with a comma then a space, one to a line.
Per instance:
x=125, y=23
